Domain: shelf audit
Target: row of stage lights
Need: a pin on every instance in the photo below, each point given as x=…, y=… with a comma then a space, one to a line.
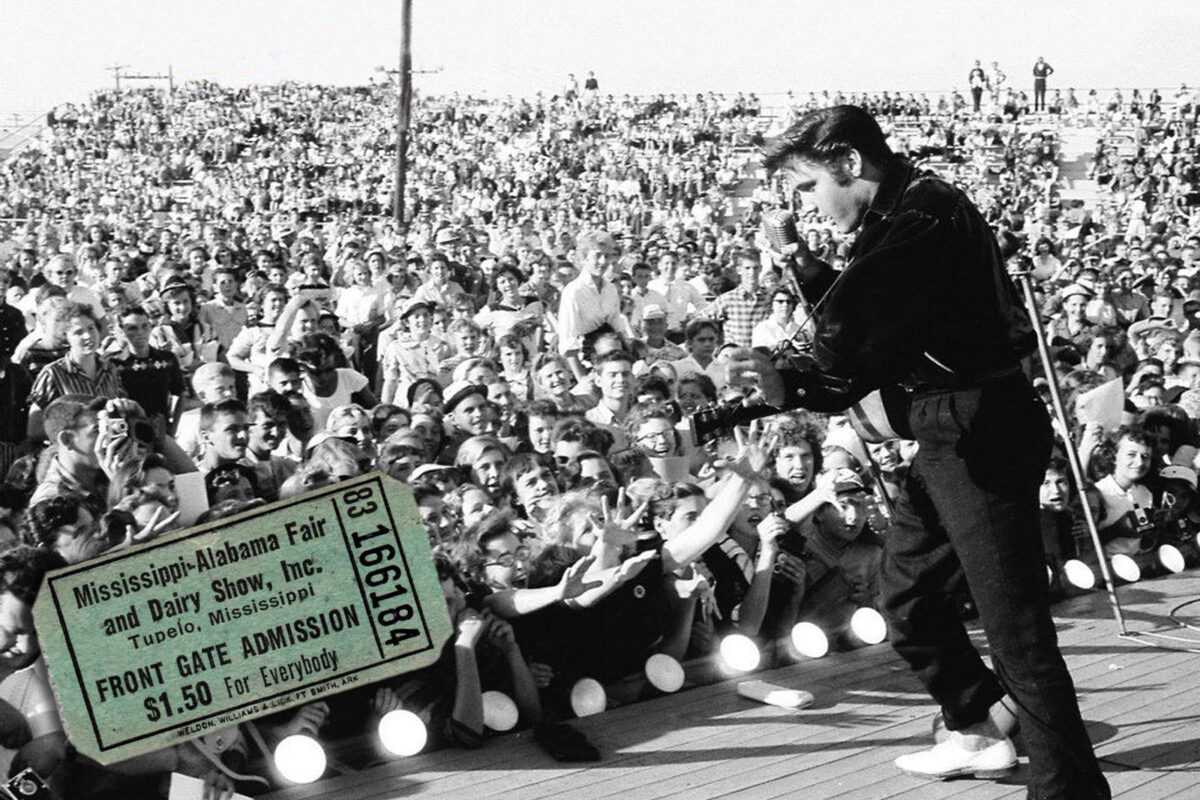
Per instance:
x=1166, y=558
x=302, y=759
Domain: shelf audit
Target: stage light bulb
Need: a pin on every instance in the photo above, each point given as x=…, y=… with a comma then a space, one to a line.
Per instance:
x=1172, y=558
x=1079, y=574
x=664, y=673
x=588, y=697
x=868, y=625
x=403, y=733
x=1126, y=568
x=300, y=759
x=809, y=640
x=500, y=713
x=740, y=653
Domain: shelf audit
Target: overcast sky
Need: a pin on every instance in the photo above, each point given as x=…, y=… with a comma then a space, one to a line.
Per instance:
x=55, y=50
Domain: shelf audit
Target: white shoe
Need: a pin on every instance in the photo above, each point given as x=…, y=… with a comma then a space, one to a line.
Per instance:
x=1002, y=714
x=951, y=759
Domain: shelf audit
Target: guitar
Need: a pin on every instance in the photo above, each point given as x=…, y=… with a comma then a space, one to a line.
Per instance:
x=879, y=417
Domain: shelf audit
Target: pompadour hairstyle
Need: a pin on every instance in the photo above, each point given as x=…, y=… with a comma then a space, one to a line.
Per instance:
x=827, y=134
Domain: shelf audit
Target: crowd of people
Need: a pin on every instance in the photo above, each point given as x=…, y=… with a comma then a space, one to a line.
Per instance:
x=210, y=283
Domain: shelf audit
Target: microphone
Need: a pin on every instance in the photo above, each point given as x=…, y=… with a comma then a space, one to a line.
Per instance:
x=779, y=226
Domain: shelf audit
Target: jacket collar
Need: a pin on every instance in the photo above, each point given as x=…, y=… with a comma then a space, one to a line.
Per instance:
x=896, y=178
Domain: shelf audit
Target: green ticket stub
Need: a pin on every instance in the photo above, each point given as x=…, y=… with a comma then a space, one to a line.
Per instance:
x=245, y=616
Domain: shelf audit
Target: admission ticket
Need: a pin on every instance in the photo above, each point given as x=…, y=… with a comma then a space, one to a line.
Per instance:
x=245, y=616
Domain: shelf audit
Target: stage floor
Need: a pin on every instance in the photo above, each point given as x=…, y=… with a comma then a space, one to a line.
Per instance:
x=1138, y=696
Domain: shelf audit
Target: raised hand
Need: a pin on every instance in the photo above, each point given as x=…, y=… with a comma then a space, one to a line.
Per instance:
x=573, y=583
x=754, y=450
x=154, y=527
x=157, y=524
x=771, y=528
x=823, y=486
x=500, y=635
x=115, y=453
x=471, y=627
x=620, y=529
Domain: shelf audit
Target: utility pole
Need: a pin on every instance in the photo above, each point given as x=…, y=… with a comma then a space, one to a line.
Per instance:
x=402, y=116
x=115, y=69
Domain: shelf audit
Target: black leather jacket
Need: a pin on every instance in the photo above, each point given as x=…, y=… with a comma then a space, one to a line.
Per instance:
x=925, y=301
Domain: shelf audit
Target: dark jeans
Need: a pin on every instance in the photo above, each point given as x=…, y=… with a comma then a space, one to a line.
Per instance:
x=976, y=96
x=1039, y=95
x=969, y=510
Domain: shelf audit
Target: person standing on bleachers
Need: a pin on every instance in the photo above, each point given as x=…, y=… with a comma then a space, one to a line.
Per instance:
x=977, y=80
x=1041, y=71
x=995, y=80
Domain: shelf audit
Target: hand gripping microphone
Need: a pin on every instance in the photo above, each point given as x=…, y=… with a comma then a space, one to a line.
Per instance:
x=779, y=226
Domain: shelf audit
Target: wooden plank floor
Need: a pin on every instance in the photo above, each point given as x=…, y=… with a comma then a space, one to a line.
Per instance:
x=1138, y=694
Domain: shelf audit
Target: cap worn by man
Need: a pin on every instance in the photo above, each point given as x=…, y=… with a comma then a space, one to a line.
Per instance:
x=414, y=389
x=847, y=481
x=653, y=311
x=1179, y=473
x=446, y=236
x=459, y=391
x=1077, y=290
x=415, y=305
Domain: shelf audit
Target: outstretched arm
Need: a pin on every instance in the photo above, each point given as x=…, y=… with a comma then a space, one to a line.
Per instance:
x=718, y=515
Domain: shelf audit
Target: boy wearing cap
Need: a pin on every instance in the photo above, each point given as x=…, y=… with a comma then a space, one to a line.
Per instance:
x=1131, y=306
x=1176, y=501
x=654, y=335
x=842, y=539
x=1072, y=325
x=468, y=411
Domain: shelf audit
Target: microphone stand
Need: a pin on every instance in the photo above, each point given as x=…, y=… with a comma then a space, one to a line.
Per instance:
x=1072, y=453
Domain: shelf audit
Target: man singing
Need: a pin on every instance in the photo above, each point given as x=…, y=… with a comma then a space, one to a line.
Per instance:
x=925, y=304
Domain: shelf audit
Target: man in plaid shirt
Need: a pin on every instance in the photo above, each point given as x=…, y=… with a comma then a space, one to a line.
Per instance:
x=743, y=307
